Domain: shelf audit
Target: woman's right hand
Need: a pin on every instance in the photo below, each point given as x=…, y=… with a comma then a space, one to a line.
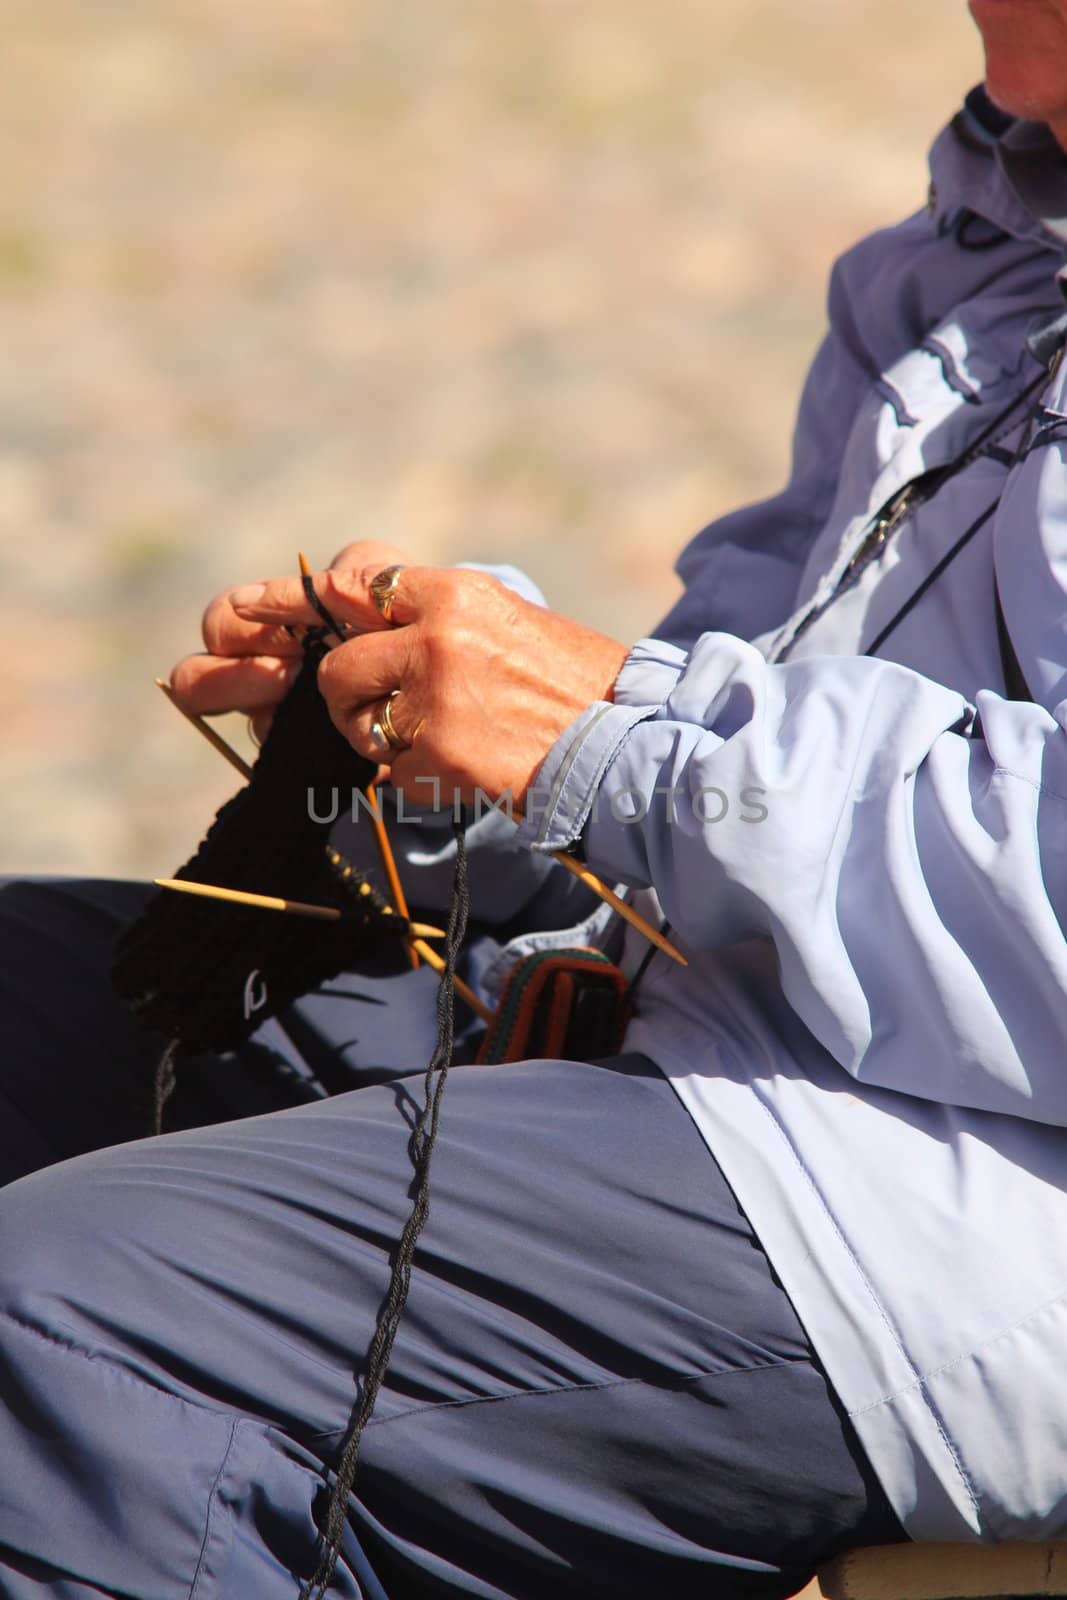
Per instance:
x=250, y=667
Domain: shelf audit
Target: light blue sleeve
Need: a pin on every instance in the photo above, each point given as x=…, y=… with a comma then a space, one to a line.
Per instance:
x=905, y=851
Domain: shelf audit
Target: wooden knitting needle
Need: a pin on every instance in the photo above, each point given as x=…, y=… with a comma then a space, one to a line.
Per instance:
x=272, y=902
x=385, y=850
x=215, y=739
x=240, y=897
x=429, y=955
x=617, y=903
x=436, y=961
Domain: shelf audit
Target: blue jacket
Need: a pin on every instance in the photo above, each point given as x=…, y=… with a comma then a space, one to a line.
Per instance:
x=861, y=844
x=860, y=841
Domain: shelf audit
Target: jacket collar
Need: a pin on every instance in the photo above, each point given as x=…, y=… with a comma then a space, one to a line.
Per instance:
x=1011, y=173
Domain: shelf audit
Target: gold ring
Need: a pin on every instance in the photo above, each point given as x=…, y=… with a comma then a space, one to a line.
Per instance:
x=383, y=729
x=383, y=590
x=253, y=735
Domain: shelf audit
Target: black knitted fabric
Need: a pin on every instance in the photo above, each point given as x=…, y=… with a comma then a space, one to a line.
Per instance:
x=207, y=973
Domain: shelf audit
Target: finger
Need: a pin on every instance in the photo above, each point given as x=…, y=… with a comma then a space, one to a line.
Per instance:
x=364, y=732
x=365, y=669
x=421, y=791
x=368, y=552
x=347, y=596
x=209, y=684
x=226, y=634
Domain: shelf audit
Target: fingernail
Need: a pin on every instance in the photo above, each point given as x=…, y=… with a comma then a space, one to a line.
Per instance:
x=248, y=595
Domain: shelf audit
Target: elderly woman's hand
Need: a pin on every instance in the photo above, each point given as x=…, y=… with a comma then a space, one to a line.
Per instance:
x=249, y=667
x=480, y=683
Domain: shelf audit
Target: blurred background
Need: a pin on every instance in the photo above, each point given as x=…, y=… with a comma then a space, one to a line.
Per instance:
x=524, y=280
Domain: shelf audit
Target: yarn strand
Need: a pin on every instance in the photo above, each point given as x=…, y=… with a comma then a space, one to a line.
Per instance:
x=420, y=1150
x=163, y=1084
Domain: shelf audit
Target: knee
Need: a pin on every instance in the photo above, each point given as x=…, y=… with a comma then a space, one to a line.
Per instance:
x=61, y=1238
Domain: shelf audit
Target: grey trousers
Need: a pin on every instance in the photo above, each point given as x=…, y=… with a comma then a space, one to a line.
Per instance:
x=598, y=1388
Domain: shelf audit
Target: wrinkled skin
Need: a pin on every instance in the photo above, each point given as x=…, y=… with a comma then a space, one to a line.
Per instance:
x=487, y=681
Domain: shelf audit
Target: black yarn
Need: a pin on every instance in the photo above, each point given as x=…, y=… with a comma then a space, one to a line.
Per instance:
x=166, y=1077
x=320, y=606
x=208, y=974
x=420, y=1149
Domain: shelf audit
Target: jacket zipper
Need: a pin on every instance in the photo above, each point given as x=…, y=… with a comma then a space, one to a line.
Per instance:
x=886, y=523
x=907, y=499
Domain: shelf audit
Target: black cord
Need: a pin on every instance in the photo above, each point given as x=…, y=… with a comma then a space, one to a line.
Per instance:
x=420, y=1149
x=163, y=1085
x=979, y=522
x=931, y=578
x=646, y=961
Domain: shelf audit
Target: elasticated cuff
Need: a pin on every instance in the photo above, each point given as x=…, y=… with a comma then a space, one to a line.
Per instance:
x=560, y=798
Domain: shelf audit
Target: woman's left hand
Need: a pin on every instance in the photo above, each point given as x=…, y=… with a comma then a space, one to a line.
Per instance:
x=482, y=682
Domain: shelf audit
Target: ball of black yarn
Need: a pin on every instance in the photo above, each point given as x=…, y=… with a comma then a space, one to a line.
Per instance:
x=208, y=973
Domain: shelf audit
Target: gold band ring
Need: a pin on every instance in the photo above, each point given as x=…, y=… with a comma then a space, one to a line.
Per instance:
x=383, y=591
x=383, y=729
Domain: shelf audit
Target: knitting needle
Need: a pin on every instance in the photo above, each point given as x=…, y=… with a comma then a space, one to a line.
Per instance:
x=616, y=902
x=240, y=897
x=627, y=912
x=432, y=959
x=385, y=850
x=271, y=902
x=226, y=751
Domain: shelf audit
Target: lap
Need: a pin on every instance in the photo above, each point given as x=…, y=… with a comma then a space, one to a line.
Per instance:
x=78, y=1071
x=598, y=1386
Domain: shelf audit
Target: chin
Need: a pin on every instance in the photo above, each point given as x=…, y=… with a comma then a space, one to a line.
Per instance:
x=1026, y=55
x=1015, y=87
x=1013, y=98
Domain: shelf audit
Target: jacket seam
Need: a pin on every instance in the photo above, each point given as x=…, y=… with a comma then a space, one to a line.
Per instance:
x=571, y=756
x=967, y=1355
x=1021, y=777
x=678, y=1382
x=118, y=1368
x=879, y=1307
x=605, y=761
x=212, y=1501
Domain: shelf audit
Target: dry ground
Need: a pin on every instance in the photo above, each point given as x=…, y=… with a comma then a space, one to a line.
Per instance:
x=525, y=279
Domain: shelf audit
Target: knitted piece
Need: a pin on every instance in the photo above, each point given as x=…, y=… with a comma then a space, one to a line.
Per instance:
x=208, y=973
